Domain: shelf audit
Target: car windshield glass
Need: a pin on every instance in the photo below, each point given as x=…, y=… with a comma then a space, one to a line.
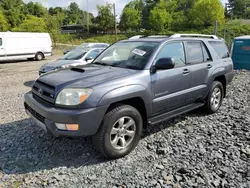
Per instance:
x=83, y=45
x=131, y=55
x=74, y=55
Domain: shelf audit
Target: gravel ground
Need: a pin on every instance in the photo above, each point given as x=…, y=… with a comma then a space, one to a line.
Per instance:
x=193, y=150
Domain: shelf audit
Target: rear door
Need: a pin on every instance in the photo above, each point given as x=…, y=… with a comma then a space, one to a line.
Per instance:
x=200, y=64
x=2, y=50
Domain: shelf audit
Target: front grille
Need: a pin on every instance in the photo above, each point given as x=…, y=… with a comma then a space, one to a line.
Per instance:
x=44, y=91
x=35, y=114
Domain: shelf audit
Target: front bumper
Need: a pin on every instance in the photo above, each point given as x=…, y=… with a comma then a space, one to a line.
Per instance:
x=46, y=116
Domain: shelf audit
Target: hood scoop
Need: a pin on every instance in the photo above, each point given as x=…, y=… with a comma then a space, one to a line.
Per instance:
x=78, y=70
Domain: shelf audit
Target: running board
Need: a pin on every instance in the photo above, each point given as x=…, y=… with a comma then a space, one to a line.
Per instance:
x=171, y=114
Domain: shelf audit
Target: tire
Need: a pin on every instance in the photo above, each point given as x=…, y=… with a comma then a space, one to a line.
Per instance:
x=216, y=94
x=39, y=56
x=112, y=145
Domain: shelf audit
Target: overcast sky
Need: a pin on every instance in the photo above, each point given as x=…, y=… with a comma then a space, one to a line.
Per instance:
x=92, y=4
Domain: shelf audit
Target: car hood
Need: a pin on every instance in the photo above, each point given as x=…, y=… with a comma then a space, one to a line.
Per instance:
x=86, y=76
x=60, y=62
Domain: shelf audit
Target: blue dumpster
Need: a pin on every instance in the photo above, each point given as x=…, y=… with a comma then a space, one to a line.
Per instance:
x=241, y=52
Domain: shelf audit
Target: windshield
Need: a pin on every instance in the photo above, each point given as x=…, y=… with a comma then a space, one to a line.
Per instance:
x=83, y=45
x=132, y=55
x=74, y=55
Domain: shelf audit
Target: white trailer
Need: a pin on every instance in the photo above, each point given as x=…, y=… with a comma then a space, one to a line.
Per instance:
x=20, y=45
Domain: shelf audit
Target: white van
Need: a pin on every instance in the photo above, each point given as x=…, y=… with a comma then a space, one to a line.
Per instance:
x=18, y=45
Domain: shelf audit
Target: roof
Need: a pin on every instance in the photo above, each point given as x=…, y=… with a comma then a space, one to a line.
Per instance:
x=243, y=37
x=161, y=38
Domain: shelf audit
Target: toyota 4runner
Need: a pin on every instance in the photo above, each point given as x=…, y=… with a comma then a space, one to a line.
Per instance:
x=131, y=84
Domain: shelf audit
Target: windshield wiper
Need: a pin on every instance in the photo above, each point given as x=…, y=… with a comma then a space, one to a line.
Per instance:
x=99, y=63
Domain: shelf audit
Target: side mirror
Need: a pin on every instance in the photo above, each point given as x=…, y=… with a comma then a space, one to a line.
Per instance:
x=165, y=63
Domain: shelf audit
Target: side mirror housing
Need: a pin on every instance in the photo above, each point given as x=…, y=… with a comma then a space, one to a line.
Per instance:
x=165, y=63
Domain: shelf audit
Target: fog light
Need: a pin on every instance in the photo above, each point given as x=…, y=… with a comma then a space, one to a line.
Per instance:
x=72, y=127
x=61, y=126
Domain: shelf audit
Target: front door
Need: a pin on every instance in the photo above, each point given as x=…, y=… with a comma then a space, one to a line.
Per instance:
x=170, y=87
x=2, y=50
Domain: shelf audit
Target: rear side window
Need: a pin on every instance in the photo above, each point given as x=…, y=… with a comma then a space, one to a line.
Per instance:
x=1, y=41
x=220, y=48
x=195, y=52
x=206, y=55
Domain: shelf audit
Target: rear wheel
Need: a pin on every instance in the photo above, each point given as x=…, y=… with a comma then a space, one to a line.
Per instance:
x=120, y=132
x=39, y=56
x=215, y=97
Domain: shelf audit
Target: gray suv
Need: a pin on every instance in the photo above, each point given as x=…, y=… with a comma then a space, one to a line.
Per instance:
x=130, y=85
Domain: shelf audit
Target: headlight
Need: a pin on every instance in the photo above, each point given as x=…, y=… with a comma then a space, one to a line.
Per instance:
x=73, y=96
x=69, y=65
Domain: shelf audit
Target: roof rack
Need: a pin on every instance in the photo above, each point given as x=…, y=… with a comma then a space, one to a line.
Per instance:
x=157, y=36
x=148, y=36
x=194, y=35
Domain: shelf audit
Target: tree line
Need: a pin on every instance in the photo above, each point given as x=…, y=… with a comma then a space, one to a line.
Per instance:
x=137, y=15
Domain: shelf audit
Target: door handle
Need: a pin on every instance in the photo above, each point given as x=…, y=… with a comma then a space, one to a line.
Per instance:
x=185, y=71
x=209, y=66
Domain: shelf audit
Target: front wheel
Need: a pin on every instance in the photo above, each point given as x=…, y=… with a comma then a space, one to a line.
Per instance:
x=215, y=97
x=120, y=132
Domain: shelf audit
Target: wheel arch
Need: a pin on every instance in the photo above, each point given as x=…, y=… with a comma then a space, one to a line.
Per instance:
x=137, y=103
x=40, y=53
x=223, y=81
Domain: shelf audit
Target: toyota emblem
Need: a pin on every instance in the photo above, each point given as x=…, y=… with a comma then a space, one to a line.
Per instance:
x=40, y=91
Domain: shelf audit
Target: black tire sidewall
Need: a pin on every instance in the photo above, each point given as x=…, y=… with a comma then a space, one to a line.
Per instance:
x=215, y=84
x=107, y=147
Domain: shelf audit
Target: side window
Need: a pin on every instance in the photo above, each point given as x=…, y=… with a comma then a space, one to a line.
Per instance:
x=206, y=54
x=93, y=54
x=195, y=53
x=173, y=50
x=1, y=41
x=220, y=48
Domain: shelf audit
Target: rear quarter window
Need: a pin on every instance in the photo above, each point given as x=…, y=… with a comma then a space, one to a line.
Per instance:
x=220, y=48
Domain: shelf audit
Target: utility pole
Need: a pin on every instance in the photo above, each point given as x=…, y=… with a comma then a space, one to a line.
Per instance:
x=215, y=27
x=115, y=23
x=88, y=16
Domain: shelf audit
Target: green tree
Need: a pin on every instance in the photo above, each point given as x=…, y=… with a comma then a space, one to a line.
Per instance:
x=14, y=11
x=160, y=18
x=53, y=26
x=146, y=9
x=239, y=8
x=74, y=14
x=179, y=21
x=205, y=12
x=32, y=24
x=36, y=9
x=53, y=11
x=130, y=19
x=4, y=26
x=185, y=5
x=105, y=19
